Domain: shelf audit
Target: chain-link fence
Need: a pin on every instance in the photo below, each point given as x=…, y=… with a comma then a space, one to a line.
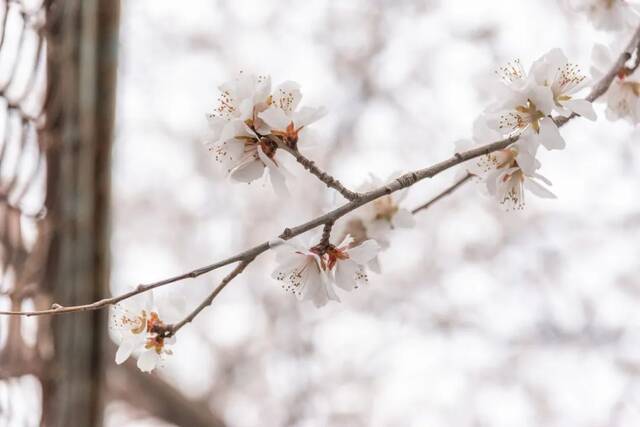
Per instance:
x=23, y=346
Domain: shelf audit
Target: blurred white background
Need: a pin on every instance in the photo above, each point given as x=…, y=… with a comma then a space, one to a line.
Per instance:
x=480, y=317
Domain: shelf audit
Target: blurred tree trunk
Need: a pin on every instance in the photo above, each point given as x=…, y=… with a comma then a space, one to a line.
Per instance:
x=82, y=38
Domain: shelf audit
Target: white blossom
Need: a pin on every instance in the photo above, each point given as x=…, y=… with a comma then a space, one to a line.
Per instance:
x=623, y=96
x=310, y=271
x=349, y=263
x=282, y=118
x=301, y=271
x=525, y=109
x=507, y=172
x=526, y=100
x=248, y=123
x=610, y=15
x=246, y=157
x=507, y=185
x=553, y=70
x=139, y=325
x=241, y=99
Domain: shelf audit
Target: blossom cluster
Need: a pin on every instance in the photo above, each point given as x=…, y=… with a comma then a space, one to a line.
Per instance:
x=528, y=102
x=310, y=271
x=141, y=330
x=524, y=108
x=609, y=15
x=251, y=121
x=618, y=17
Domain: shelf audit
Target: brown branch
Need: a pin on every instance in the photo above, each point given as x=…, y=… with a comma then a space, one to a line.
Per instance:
x=326, y=234
x=401, y=182
x=329, y=181
x=453, y=187
x=173, y=329
x=404, y=181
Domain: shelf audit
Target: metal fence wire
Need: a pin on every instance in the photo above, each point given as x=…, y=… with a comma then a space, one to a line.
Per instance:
x=23, y=75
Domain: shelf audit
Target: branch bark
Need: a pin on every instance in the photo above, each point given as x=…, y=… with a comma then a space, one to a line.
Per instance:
x=310, y=166
x=173, y=329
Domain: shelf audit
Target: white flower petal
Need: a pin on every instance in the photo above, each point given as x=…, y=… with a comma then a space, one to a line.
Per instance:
x=542, y=96
x=307, y=115
x=276, y=176
x=550, y=135
x=346, y=274
x=248, y=170
x=328, y=286
x=148, y=360
x=374, y=265
x=364, y=252
x=287, y=96
x=582, y=107
x=216, y=125
x=124, y=351
x=275, y=117
x=492, y=181
x=315, y=289
x=538, y=189
x=527, y=162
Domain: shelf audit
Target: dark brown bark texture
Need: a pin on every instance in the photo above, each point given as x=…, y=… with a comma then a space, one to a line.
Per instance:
x=81, y=38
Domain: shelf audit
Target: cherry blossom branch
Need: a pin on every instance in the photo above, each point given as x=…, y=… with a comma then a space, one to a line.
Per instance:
x=310, y=165
x=173, y=329
x=596, y=92
x=401, y=182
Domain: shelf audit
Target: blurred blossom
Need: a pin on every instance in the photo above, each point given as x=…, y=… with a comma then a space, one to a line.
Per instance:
x=608, y=14
x=623, y=98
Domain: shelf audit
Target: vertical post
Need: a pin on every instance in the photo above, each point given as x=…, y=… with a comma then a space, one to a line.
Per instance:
x=82, y=40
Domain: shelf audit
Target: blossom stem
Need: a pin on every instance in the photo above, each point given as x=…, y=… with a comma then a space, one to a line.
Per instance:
x=326, y=234
x=310, y=165
x=173, y=329
x=453, y=187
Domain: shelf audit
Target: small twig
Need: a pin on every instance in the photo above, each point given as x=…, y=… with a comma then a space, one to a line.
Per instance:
x=310, y=165
x=173, y=329
x=444, y=193
x=326, y=233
